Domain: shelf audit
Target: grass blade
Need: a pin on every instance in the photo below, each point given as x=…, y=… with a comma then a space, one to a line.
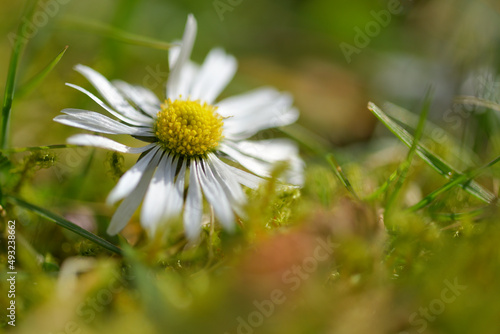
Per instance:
x=117, y=34
x=405, y=166
x=10, y=84
x=37, y=79
x=65, y=224
x=462, y=179
x=408, y=119
x=430, y=158
x=478, y=102
x=453, y=217
x=340, y=174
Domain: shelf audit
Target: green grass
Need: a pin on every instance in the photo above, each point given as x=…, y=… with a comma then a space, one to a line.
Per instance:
x=19, y=45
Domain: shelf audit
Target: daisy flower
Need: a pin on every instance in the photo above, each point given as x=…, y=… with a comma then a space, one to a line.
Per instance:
x=190, y=138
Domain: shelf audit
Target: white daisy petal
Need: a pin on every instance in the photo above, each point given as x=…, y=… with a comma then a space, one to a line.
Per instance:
x=107, y=108
x=143, y=98
x=242, y=177
x=245, y=104
x=254, y=165
x=71, y=121
x=254, y=111
x=90, y=123
x=111, y=94
x=93, y=121
x=268, y=152
x=103, y=142
x=159, y=188
x=173, y=83
x=248, y=180
x=295, y=174
x=175, y=201
x=244, y=127
x=274, y=150
x=214, y=75
x=189, y=72
x=131, y=178
x=173, y=53
x=227, y=180
x=188, y=75
x=148, y=96
x=131, y=202
x=194, y=205
x=214, y=194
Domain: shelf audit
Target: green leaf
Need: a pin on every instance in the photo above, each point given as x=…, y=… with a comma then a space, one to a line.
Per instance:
x=19, y=44
x=433, y=160
x=65, y=224
x=37, y=79
x=117, y=34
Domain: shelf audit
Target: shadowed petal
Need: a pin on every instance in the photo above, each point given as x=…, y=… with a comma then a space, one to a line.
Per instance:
x=133, y=200
x=131, y=178
x=194, y=205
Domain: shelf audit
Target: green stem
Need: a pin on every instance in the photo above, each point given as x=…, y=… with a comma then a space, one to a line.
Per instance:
x=65, y=224
x=117, y=34
x=38, y=148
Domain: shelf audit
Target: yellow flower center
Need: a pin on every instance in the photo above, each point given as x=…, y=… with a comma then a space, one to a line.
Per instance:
x=188, y=127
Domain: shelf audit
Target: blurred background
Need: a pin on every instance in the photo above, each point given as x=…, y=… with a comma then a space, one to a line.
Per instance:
x=311, y=48
x=334, y=56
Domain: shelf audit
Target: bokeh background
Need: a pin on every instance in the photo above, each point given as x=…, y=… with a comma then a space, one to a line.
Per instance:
x=294, y=45
x=449, y=46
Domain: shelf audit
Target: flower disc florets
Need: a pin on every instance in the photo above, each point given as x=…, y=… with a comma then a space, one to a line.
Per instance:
x=188, y=128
